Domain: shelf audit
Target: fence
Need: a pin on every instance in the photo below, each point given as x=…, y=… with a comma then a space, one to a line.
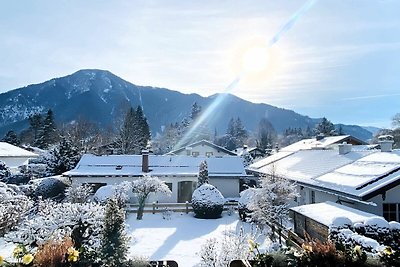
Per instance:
x=175, y=207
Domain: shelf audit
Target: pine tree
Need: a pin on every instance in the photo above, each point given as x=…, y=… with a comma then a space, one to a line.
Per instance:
x=11, y=138
x=196, y=110
x=203, y=174
x=62, y=158
x=114, y=241
x=48, y=133
x=35, y=127
x=266, y=134
x=231, y=128
x=240, y=133
x=143, y=131
x=325, y=127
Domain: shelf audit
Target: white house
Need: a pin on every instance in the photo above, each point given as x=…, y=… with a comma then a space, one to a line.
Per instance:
x=367, y=180
x=178, y=172
x=323, y=142
x=202, y=148
x=14, y=156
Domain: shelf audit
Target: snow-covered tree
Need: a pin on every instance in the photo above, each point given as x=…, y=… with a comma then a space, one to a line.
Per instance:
x=118, y=192
x=143, y=186
x=207, y=202
x=78, y=193
x=11, y=138
x=266, y=134
x=56, y=220
x=61, y=158
x=48, y=132
x=114, y=241
x=270, y=202
x=4, y=171
x=203, y=173
x=325, y=127
x=246, y=158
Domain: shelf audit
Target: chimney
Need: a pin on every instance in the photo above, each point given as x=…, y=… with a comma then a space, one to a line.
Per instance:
x=386, y=143
x=344, y=148
x=145, y=161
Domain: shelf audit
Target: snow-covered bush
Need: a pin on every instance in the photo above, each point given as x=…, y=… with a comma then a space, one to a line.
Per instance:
x=4, y=171
x=245, y=198
x=378, y=228
x=57, y=220
x=207, y=202
x=78, y=193
x=50, y=187
x=119, y=192
x=13, y=206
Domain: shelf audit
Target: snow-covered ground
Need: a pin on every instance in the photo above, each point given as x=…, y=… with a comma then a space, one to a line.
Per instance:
x=179, y=238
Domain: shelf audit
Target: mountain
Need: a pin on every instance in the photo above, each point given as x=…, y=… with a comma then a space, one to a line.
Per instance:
x=102, y=97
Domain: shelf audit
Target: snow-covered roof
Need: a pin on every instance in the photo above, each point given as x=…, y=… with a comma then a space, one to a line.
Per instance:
x=202, y=142
x=325, y=212
x=131, y=165
x=359, y=174
x=324, y=143
x=8, y=150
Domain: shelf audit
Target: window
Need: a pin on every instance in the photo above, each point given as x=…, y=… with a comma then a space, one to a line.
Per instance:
x=312, y=196
x=209, y=154
x=195, y=154
x=169, y=186
x=390, y=211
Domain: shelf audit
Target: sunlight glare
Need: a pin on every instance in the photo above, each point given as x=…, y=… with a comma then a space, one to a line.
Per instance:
x=255, y=59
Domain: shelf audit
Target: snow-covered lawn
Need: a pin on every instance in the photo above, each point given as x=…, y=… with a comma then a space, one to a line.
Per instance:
x=178, y=239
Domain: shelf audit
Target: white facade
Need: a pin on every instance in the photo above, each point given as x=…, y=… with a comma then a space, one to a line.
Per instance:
x=202, y=149
x=14, y=156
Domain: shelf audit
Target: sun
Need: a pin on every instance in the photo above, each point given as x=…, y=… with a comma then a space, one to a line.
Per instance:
x=255, y=59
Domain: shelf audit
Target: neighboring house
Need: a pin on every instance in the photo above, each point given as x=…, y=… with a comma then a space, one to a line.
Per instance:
x=368, y=180
x=323, y=142
x=178, y=172
x=255, y=152
x=202, y=148
x=14, y=156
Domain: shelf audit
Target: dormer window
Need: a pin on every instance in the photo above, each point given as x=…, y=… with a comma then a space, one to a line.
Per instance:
x=119, y=167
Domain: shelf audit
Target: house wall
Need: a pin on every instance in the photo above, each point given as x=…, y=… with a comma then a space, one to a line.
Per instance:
x=14, y=162
x=229, y=187
x=202, y=150
x=173, y=198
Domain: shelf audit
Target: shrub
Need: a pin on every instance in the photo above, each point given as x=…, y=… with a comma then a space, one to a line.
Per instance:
x=207, y=202
x=50, y=187
x=245, y=198
x=53, y=253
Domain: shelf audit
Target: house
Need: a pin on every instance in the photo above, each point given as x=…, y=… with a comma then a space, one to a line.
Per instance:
x=255, y=152
x=178, y=172
x=367, y=180
x=323, y=142
x=202, y=148
x=315, y=219
x=14, y=156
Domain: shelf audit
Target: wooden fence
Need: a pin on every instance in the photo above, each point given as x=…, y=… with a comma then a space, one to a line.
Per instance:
x=175, y=207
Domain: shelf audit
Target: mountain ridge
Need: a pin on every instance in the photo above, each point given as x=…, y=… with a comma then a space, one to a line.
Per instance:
x=102, y=97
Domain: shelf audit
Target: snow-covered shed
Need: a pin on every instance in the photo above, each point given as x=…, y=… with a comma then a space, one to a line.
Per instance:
x=368, y=180
x=202, y=148
x=315, y=219
x=179, y=172
x=14, y=156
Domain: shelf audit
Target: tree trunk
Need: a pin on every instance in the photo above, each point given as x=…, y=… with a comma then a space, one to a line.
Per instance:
x=140, y=209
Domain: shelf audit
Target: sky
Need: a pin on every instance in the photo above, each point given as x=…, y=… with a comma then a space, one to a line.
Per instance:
x=340, y=59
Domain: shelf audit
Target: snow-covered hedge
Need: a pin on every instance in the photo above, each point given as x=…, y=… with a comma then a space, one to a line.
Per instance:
x=56, y=220
x=207, y=202
x=13, y=205
x=49, y=187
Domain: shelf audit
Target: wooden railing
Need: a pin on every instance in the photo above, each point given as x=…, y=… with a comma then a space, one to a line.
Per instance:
x=186, y=207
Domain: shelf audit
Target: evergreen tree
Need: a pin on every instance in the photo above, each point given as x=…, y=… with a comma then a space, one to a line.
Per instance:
x=11, y=138
x=143, y=131
x=308, y=132
x=4, y=171
x=231, y=127
x=114, y=241
x=48, y=133
x=62, y=158
x=35, y=127
x=325, y=127
x=203, y=174
x=266, y=134
x=240, y=133
x=196, y=110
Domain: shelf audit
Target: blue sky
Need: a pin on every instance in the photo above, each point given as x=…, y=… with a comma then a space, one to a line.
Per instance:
x=340, y=60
